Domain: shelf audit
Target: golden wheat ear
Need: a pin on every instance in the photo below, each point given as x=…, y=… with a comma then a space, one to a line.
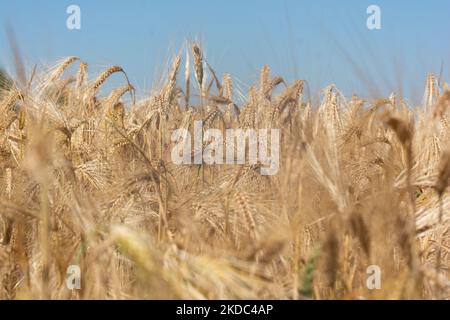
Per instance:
x=81, y=74
x=116, y=94
x=10, y=100
x=187, y=78
x=103, y=76
x=431, y=92
x=198, y=63
x=62, y=67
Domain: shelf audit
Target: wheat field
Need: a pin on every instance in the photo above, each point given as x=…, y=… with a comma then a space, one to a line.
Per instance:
x=87, y=180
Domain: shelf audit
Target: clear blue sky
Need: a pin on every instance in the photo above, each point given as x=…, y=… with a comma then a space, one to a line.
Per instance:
x=321, y=41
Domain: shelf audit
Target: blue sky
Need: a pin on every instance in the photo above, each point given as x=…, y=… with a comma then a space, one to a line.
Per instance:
x=321, y=41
